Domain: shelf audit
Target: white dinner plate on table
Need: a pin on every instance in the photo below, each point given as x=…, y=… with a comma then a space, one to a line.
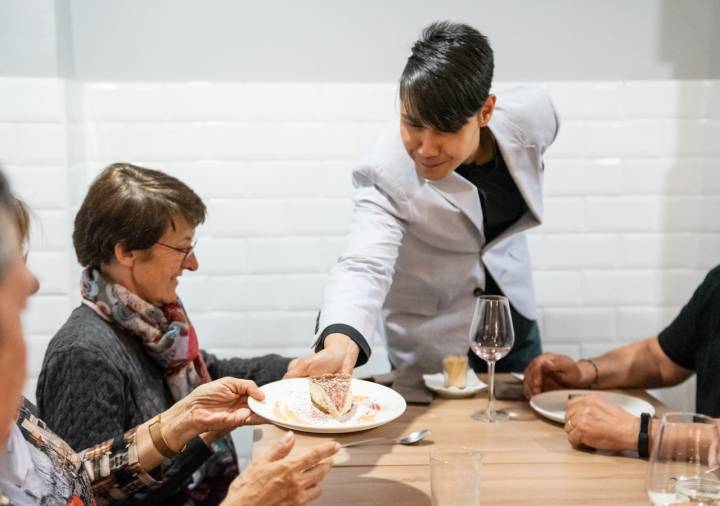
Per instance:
x=552, y=404
x=436, y=383
x=287, y=403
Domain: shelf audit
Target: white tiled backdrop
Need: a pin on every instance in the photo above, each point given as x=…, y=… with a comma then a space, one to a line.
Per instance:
x=632, y=199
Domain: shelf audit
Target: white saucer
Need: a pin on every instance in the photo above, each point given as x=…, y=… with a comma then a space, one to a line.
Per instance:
x=436, y=383
x=552, y=404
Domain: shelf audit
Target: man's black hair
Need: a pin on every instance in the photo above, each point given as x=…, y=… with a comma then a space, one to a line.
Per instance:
x=447, y=77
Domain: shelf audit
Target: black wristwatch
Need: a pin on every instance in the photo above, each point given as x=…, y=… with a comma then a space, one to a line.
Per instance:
x=644, y=436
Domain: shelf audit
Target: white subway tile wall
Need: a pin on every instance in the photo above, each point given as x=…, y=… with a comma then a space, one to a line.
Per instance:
x=632, y=194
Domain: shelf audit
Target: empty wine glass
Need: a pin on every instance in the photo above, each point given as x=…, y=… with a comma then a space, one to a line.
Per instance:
x=684, y=461
x=491, y=338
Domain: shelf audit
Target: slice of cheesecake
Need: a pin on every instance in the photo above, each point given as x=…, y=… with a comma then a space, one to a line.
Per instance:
x=330, y=393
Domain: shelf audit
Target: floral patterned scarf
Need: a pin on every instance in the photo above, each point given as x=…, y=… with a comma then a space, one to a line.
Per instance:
x=166, y=332
x=170, y=339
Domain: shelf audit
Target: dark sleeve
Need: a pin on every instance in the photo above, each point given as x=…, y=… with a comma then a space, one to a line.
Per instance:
x=682, y=338
x=352, y=333
x=261, y=370
x=81, y=397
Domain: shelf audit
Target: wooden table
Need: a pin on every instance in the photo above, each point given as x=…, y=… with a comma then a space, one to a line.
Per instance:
x=525, y=461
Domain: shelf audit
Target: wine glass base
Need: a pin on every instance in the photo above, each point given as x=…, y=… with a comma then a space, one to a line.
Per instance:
x=483, y=416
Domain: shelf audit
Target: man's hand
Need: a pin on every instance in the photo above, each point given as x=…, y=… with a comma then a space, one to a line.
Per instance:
x=592, y=421
x=551, y=371
x=338, y=356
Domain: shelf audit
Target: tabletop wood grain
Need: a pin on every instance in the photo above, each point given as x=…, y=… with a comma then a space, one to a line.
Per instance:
x=525, y=461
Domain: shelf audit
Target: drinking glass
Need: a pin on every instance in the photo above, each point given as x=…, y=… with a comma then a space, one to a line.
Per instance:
x=455, y=477
x=491, y=338
x=684, y=466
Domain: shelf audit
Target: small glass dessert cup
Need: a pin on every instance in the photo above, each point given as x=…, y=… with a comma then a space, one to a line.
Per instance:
x=455, y=370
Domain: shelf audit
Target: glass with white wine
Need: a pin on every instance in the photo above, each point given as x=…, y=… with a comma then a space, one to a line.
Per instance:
x=491, y=338
x=685, y=461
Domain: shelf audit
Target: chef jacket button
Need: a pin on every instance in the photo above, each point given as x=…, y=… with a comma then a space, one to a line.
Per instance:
x=478, y=292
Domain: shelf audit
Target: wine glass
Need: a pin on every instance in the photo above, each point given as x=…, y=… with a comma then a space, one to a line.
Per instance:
x=491, y=338
x=684, y=463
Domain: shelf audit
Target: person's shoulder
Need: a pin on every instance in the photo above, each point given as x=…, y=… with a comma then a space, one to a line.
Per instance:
x=28, y=407
x=522, y=99
x=387, y=165
x=711, y=282
x=706, y=295
x=531, y=113
x=83, y=331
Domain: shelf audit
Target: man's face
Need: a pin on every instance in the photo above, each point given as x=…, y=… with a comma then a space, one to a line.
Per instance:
x=16, y=285
x=436, y=154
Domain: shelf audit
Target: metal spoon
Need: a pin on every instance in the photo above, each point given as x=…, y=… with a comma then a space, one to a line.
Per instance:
x=410, y=439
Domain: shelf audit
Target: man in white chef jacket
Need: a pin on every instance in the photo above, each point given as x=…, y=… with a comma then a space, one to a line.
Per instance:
x=441, y=205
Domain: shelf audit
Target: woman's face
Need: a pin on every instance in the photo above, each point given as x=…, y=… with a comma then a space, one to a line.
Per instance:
x=154, y=273
x=17, y=284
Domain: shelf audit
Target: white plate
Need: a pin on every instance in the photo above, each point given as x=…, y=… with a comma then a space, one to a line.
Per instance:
x=287, y=403
x=518, y=376
x=552, y=404
x=436, y=382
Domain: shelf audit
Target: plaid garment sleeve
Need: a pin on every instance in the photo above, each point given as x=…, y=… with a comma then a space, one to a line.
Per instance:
x=113, y=468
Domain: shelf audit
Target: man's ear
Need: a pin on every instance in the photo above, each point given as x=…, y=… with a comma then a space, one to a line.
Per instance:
x=487, y=110
x=124, y=257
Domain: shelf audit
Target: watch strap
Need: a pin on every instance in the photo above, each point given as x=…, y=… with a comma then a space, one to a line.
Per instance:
x=643, y=446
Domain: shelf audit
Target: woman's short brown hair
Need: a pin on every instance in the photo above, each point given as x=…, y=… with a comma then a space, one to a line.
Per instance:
x=132, y=206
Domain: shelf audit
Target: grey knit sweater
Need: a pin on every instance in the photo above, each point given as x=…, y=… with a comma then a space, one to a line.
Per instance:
x=97, y=382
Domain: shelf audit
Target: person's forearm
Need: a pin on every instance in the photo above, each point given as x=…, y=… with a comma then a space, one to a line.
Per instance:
x=342, y=341
x=176, y=431
x=349, y=332
x=632, y=366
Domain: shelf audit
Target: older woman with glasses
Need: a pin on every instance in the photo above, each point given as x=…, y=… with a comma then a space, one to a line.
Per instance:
x=39, y=468
x=129, y=351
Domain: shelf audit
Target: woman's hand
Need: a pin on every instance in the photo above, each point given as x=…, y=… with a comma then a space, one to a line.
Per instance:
x=276, y=480
x=212, y=409
x=339, y=355
x=592, y=421
x=551, y=371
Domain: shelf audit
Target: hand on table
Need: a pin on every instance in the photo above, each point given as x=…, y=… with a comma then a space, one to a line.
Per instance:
x=551, y=371
x=280, y=481
x=337, y=357
x=592, y=421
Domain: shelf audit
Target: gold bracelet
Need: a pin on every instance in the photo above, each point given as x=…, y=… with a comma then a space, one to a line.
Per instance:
x=159, y=442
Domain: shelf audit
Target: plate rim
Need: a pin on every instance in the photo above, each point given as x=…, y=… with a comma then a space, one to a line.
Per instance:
x=455, y=393
x=252, y=403
x=550, y=416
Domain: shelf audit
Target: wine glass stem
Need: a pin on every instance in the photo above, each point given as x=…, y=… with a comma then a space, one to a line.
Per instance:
x=491, y=397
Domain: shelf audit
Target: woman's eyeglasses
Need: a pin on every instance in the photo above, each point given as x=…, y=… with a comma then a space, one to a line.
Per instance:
x=185, y=251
